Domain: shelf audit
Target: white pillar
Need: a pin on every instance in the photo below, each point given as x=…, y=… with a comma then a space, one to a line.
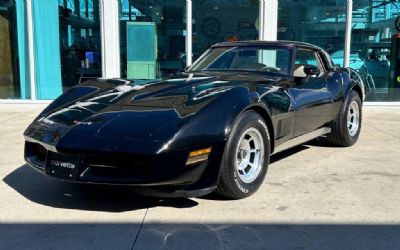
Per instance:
x=189, y=33
x=349, y=21
x=31, y=49
x=109, y=29
x=269, y=20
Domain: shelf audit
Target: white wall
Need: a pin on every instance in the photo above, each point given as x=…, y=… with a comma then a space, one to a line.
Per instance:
x=109, y=29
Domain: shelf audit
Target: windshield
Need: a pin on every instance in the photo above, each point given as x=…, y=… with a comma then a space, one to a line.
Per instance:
x=276, y=60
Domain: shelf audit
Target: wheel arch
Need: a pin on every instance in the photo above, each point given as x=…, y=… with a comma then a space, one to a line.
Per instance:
x=357, y=88
x=262, y=111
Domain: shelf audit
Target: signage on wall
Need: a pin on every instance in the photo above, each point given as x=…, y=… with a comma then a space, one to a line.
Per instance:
x=246, y=25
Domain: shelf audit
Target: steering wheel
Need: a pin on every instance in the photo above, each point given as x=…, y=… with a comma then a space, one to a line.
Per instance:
x=270, y=69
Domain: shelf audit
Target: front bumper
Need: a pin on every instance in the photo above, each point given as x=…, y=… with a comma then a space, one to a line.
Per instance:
x=165, y=174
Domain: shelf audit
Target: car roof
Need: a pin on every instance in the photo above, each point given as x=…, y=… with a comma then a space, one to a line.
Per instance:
x=267, y=43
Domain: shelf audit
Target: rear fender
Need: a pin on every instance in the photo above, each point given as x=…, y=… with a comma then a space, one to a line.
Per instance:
x=352, y=81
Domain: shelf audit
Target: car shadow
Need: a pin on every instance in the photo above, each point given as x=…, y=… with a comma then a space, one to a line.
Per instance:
x=287, y=153
x=55, y=193
x=322, y=142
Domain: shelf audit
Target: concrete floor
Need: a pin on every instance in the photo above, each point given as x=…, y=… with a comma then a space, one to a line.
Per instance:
x=315, y=197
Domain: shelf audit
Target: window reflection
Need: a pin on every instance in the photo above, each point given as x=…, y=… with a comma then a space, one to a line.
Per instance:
x=373, y=27
x=223, y=21
x=80, y=41
x=322, y=22
x=9, y=70
x=152, y=38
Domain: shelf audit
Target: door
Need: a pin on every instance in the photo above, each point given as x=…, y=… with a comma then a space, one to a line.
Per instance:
x=312, y=100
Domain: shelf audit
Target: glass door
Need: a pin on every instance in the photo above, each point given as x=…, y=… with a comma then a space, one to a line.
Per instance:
x=10, y=87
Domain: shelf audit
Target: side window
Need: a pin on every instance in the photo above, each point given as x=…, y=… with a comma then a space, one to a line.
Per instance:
x=306, y=57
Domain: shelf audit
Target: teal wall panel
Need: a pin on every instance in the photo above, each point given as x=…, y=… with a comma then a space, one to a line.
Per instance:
x=47, y=49
x=141, y=50
x=23, y=55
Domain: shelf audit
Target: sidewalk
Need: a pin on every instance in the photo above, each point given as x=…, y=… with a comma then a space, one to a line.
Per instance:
x=315, y=197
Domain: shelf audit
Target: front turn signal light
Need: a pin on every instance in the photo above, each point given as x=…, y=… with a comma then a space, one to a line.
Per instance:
x=198, y=156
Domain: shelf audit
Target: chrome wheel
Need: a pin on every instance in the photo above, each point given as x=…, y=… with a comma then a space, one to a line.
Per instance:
x=250, y=155
x=353, y=118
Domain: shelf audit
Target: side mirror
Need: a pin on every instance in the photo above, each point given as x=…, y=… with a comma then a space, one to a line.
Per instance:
x=311, y=70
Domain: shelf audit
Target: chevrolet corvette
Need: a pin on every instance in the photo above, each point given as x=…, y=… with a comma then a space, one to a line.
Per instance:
x=211, y=128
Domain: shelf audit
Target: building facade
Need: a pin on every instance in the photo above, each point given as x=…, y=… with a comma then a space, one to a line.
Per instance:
x=46, y=47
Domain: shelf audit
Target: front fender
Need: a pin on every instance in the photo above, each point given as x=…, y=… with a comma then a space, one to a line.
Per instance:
x=214, y=122
x=81, y=91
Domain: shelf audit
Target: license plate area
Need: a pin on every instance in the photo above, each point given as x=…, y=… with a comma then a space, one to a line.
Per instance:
x=64, y=166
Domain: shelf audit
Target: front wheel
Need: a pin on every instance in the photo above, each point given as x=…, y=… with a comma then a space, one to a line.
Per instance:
x=246, y=157
x=347, y=127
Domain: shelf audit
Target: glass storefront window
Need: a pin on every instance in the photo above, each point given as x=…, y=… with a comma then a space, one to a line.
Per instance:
x=224, y=20
x=321, y=22
x=9, y=65
x=152, y=38
x=80, y=41
x=373, y=27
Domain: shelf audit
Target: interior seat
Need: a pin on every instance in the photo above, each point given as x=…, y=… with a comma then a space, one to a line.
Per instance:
x=299, y=70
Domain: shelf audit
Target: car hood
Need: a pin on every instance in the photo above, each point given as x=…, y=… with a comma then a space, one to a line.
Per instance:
x=153, y=111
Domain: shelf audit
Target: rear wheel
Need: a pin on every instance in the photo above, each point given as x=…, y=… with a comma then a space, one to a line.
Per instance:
x=347, y=127
x=246, y=157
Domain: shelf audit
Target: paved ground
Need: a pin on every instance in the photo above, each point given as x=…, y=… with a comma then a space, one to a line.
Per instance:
x=315, y=197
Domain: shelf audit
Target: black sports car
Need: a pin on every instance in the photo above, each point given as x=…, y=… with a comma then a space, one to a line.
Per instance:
x=211, y=128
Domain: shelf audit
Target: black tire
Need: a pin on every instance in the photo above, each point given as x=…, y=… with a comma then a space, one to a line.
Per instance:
x=341, y=135
x=231, y=184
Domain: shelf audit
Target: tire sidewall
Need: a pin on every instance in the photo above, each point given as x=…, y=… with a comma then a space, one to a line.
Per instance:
x=353, y=96
x=247, y=120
